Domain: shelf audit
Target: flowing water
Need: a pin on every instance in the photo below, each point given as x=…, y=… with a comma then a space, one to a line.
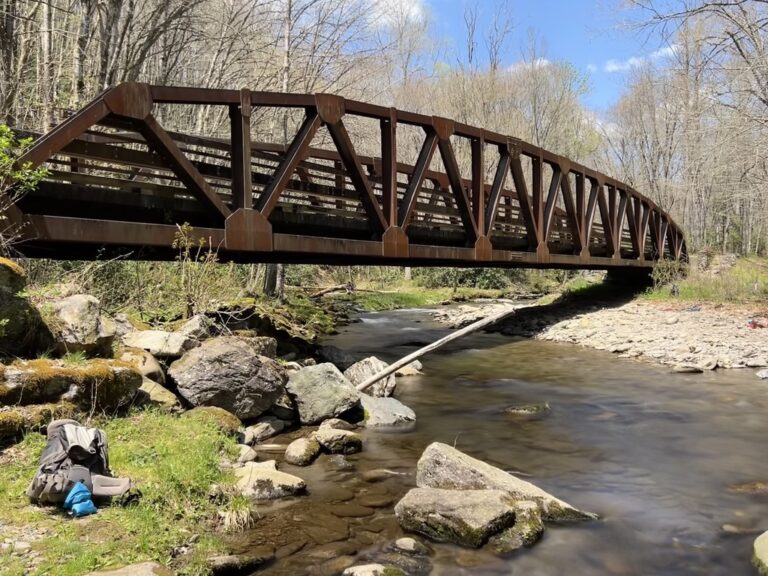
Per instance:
x=652, y=452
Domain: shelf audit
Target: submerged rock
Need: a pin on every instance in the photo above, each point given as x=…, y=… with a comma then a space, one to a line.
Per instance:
x=381, y=412
x=464, y=517
x=263, y=481
x=78, y=325
x=321, y=392
x=528, y=409
x=360, y=371
x=227, y=372
x=302, y=452
x=372, y=570
x=339, y=441
x=442, y=466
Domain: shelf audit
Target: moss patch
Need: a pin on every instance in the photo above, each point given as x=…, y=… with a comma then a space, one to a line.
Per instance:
x=225, y=421
x=174, y=462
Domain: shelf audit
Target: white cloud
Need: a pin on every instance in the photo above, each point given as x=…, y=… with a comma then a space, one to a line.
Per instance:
x=612, y=66
x=534, y=64
x=387, y=13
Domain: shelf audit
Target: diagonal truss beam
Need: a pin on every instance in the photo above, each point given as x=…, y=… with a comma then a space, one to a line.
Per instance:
x=405, y=212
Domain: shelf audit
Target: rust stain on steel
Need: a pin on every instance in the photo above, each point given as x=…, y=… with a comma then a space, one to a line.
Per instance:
x=118, y=179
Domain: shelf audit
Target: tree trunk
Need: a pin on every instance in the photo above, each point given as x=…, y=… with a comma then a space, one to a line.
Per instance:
x=46, y=67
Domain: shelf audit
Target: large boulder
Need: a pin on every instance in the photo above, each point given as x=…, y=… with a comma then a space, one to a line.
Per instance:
x=78, y=325
x=464, y=517
x=227, y=372
x=22, y=331
x=386, y=412
x=263, y=481
x=144, y=362
x=321, y=392
x=760, y=558
x=361, y=371
x=100, y=385
x=442, y=466
x=160, y=343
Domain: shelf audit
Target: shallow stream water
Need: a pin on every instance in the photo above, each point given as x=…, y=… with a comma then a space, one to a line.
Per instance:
x=652, y=452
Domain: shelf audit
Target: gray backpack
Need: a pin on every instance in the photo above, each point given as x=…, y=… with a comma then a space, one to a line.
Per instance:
x=74, y=453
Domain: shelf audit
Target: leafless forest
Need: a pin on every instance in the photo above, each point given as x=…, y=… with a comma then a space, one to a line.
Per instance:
x=690, y=130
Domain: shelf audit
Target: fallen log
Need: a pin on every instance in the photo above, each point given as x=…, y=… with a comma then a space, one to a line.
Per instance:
x=337, y=288
x=479, y=325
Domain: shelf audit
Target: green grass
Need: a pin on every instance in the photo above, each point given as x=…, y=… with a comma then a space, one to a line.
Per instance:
x=412, y=297
x=746, y=282
x=173, y=460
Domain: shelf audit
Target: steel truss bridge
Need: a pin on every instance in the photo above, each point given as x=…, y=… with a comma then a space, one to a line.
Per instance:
x=119, y=182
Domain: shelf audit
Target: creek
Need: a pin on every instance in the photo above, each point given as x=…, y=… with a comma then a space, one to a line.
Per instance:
x=653, y=452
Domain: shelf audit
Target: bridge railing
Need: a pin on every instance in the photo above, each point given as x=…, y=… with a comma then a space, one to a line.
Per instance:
x=117, y=177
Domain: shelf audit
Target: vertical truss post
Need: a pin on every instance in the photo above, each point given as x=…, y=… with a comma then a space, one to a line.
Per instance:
x=240, y=135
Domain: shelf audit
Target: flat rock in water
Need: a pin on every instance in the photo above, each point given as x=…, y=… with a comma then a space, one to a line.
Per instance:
x=442, y=466
x=539, y=409
x=385, y=412
x=464, y=517
x=302, y=452
x=339, y=441
x=265, y=428
x=143, y=569
x=235, y=564
x=372, y=570
x=762, y=374
x=760, y=558
x=360, y=371
x=263, y=481
x=687, y=369
x=321, y=392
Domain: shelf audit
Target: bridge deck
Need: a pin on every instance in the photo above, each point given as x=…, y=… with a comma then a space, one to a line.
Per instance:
x=118, y=181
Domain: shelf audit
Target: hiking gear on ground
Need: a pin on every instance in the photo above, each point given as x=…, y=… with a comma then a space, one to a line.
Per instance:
x=79, y=502
x=74, y=453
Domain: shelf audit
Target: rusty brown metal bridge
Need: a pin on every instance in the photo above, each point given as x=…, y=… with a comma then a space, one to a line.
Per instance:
x=118, y=181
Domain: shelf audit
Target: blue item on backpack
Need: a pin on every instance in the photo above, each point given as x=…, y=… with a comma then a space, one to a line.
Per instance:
x=79, y=501
x=84, y=509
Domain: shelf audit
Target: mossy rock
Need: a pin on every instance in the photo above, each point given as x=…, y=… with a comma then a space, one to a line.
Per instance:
x=22, y=330
x=224, y=420
x=15, y=421
x=100, y=385
x=12, y=276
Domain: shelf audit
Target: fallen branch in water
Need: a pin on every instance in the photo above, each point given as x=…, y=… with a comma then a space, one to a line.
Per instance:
x=479, y=325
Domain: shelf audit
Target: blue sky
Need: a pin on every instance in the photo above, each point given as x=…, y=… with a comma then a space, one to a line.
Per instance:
x=593, y=35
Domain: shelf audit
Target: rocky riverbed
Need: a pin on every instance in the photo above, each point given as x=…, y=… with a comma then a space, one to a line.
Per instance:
x=687, y=337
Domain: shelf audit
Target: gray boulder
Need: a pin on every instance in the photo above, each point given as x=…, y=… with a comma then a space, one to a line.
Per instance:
x=359, y=372
x=442, y=466
x=145, y=363
x=321, y=392
x=199, y=327
x=160, y=343
x=227, y=373
x=760, y=558
x=302, y=452
x=263, y=481
x=464, y=517
x=338, y=441
x=159, y=395
x=78, y=325
x=337, y=356
x=385, y=412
